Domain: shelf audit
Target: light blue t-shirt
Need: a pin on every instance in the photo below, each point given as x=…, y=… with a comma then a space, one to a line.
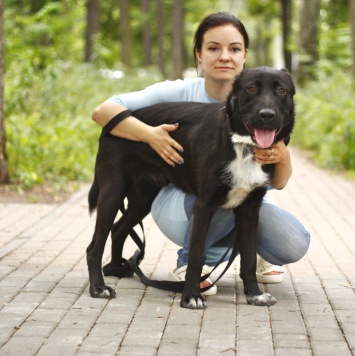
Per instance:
x=168, y=91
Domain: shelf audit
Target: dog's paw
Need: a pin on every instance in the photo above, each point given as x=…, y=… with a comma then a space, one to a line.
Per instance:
x=193, y=303
x=103, y=292
x=265, y=299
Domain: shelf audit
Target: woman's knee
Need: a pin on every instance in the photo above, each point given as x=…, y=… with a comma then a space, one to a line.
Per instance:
x=298, y=246
x=282, y=239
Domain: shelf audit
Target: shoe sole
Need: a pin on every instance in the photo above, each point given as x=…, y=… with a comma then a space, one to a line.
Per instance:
x=276, y=278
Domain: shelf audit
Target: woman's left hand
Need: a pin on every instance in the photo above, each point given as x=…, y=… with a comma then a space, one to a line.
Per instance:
x=275, y=154
x=279, y=155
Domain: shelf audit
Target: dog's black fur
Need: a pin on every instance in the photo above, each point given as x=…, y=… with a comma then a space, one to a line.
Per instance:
x=219, y=169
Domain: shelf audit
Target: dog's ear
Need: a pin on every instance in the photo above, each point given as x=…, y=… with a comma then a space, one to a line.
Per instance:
x=285, y=70
x=231, y=103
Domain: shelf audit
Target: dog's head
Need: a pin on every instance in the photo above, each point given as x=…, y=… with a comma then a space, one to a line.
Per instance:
x=261, y=105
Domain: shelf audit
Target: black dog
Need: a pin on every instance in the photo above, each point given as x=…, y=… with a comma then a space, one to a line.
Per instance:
x=219, y=169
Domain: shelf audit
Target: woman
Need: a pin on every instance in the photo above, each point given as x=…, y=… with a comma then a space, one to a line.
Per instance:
x=220, y=50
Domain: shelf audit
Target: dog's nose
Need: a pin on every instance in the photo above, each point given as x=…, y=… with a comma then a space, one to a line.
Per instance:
x=267, y=114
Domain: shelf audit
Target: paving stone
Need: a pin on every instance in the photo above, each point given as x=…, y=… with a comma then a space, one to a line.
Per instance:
x=137, y=350
x=58, y=349
x=36, y=328
x=22, y=345
x=291, y=341
x=138, y=338
x=330, y=348
x=325, y=334
x=176, y=346
x=100, y=346
x=293, y=352
x=255, y=347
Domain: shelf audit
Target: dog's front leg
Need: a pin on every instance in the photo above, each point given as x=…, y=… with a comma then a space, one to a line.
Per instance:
x=191, y=297
x=247, y=219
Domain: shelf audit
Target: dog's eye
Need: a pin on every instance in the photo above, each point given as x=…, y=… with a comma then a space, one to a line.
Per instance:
x=251, y=90
x=281, y=91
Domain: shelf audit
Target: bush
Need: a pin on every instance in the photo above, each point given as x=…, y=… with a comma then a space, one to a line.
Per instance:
x=50, y=135
x=325, y=122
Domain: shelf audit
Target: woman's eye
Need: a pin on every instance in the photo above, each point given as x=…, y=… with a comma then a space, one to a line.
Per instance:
x=281, y=91
x=236, y=49
x=213, y=49
x=251, y=90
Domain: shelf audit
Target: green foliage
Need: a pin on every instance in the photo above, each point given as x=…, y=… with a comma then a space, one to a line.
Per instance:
x=50, y=135
x=264, y=8
x=326, y=120
x=334, y=35
x=38, y=39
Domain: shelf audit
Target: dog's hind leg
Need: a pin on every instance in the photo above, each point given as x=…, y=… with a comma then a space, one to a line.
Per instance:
x=109, y=200
x=140, y=198
x=247, y=218
x=191, y=297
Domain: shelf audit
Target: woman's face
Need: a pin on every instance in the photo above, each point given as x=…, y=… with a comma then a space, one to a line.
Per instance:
x=223, y=53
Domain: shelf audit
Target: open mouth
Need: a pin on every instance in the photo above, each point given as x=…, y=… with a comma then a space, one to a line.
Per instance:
x=263, y=137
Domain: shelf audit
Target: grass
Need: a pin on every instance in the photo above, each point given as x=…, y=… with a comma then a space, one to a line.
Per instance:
x=325, y=124
x=50, y=135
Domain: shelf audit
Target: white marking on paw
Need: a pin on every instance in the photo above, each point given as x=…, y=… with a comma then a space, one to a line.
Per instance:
x=201, y=303
x=197, y=303
x=105, y=294
x=262, y=300
x=192, y=304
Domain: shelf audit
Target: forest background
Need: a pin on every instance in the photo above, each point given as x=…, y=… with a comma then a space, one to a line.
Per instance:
x=60, y=59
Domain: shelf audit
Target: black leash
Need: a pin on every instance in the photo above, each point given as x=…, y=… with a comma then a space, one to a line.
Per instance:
x=115, y=121
x=178, y=287
x=131, y=266
x=125, y=270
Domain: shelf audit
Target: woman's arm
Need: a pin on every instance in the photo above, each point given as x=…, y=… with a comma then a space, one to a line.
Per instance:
x=133, y=129
x=280, y=156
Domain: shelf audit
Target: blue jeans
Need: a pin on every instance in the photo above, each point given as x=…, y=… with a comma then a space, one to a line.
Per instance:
x=282, y=239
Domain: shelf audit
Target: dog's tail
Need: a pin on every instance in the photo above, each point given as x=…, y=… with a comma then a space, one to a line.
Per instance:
x=93, y=196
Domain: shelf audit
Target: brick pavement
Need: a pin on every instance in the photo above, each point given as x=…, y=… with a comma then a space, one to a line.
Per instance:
x=45, y=308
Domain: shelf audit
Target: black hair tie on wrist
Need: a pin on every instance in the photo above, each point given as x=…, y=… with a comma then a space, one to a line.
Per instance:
x=115, y=121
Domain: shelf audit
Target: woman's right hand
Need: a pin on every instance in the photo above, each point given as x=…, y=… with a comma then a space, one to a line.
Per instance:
x=133, y=129
x=159, y=139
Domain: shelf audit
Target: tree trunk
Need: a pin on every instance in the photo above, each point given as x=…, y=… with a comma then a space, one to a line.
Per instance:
x=177, y=39
x=147, y=34
x=4, y=173
x=263, y=43
x=308, y=39
x=286, y=32
x=161, y=35
x=92, y=27
x=125, y=33
x=352, y=29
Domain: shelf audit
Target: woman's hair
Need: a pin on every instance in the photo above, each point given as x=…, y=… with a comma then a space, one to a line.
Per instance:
x=215, y=20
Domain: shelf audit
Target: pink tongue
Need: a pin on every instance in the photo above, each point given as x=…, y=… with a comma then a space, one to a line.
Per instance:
x=264, y=138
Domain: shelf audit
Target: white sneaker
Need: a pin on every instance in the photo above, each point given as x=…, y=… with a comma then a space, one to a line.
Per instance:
x=263, y=268
x=179, y=275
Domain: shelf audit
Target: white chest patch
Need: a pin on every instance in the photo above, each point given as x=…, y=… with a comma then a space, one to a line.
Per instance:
x=243, y=173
